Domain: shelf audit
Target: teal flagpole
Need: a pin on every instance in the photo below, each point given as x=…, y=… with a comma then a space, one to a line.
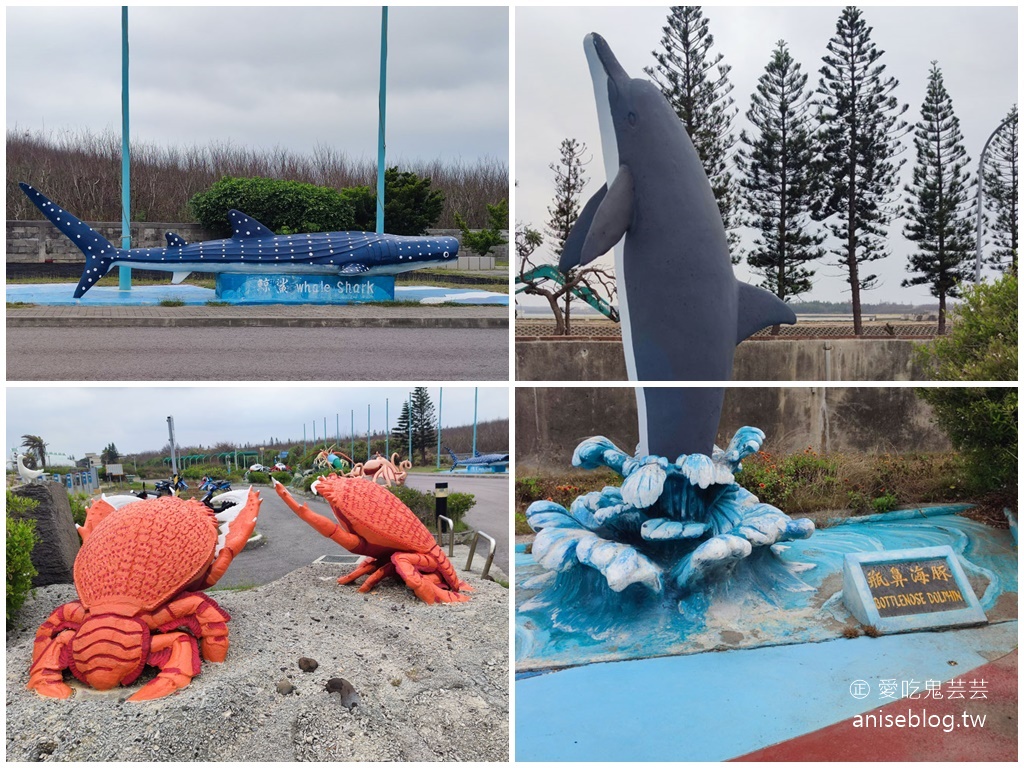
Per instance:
x=381, y=114
x=476, y=395
x=440, y=398
x=124, y=274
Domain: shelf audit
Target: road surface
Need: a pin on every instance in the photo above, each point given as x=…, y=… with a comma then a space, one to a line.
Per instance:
x=247, y=354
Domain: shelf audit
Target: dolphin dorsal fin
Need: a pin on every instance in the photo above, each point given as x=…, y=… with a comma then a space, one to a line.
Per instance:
x=174, y=240
x=612, y=218
x=757, y=309
x=245, y=226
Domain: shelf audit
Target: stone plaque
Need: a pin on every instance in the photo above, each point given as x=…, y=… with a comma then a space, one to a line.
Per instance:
x=902, y=590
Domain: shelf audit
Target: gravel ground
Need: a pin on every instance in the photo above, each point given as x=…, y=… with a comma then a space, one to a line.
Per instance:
x=433, y=682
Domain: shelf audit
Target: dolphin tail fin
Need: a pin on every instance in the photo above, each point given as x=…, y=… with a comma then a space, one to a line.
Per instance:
x=758, y=309
x=100, y=254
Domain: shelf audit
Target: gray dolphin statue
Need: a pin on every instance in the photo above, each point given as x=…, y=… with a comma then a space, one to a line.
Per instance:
x=682, y=310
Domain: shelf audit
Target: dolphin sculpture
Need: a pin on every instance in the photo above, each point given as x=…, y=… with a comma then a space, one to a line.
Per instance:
x=682, y=310
x=252, y=249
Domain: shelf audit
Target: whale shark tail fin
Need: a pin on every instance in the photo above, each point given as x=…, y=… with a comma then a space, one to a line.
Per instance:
x=100, y=254
x=758, y=309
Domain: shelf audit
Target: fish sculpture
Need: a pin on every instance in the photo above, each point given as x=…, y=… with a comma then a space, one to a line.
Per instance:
x=682, y=309
x=252, y=249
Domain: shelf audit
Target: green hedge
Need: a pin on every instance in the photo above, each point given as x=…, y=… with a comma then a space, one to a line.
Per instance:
x=282, y=477
x=423, y=505
x=284, y=207
x=79, y=506
x=21, y=540
x=258, y=478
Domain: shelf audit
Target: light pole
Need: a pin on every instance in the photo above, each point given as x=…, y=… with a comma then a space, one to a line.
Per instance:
x=981, y=185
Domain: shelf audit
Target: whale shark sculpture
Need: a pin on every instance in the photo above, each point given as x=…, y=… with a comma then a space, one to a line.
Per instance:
x=682, y=310
x=252, y=249
x=478, y=459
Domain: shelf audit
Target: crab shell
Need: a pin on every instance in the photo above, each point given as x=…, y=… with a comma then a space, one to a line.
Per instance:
x=375, y=514
x=143, y=554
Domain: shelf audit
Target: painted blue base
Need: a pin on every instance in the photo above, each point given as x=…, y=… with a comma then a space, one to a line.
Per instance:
x=60, y=294
x=550, y=636
x=304, y=289
x=480, y=469
x=716, y=706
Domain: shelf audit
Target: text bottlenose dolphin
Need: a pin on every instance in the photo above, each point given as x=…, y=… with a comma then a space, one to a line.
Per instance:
x=252, y=249
x=682, y=310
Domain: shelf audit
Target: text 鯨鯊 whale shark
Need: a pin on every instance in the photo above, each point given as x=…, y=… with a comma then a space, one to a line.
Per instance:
x=252, y=249
x=682, y=310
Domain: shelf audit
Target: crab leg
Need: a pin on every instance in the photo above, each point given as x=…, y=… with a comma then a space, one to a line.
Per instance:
x=321, y=524
x=202, y=617
x=388, y=569
x=365, y=566
x=177, y=656
x=45, y=676
x=409, y=564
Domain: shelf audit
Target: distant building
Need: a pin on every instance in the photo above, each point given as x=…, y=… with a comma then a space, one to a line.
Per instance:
x=54, y=459
x=93, y=460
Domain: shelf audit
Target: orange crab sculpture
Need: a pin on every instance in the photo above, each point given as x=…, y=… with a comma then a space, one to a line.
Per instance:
x=372, y=521
x=138, y=576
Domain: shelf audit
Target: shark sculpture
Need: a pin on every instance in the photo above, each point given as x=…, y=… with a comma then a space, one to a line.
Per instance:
x=682, y=310
x=252, y=249
x=482, y=459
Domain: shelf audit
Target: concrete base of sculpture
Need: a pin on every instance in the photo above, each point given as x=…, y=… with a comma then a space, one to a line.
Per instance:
x=304, y=289
x=58, y=545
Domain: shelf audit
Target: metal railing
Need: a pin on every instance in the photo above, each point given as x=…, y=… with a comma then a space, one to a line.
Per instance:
x=490, y=553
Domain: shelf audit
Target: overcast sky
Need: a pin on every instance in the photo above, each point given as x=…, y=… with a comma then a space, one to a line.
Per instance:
x=976, y=48
x=265, y=77
x=77, y=420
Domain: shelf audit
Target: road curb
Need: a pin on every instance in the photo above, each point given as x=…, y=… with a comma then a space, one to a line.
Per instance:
x=460, y=323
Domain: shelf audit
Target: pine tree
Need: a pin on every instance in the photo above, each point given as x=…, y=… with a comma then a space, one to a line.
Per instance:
x=701, y=98
x=569, y=183
x=424, y=433
x=1000, y=195
x=400, y=432
x=110, y=454
x=777, y=167
x=859, y=142
x=937, y=202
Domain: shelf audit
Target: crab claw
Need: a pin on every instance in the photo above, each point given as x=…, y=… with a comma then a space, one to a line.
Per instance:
x=236, y=524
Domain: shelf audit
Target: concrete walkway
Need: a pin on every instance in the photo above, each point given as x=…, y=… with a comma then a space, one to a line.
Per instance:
x=973, y=718
x=719, y=706
x=270, y=316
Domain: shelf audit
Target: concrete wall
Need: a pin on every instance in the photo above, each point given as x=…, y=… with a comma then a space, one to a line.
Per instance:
x=40, y=242
x=551, y=421
x=768, y=360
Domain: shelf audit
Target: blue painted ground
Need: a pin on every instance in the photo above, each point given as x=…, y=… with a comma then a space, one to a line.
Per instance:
x=716, y=706
x=60, y=294
x=553, y=637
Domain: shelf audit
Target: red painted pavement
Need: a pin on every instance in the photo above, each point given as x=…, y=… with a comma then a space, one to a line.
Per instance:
x=996, y=740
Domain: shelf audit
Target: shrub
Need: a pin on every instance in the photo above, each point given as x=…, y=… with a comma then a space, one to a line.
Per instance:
x=284, y=207
x=982, y=344
x=981, y=422
x=885, y=503
x=411, y=207
x=259, y=478
x=199, y=471
x=21, y=540
x=282, y=477
x=79, y=506
x=481, y=242
x=423, y=505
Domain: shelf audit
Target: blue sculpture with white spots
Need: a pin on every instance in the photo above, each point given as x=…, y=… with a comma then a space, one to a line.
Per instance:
x=252, y=249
